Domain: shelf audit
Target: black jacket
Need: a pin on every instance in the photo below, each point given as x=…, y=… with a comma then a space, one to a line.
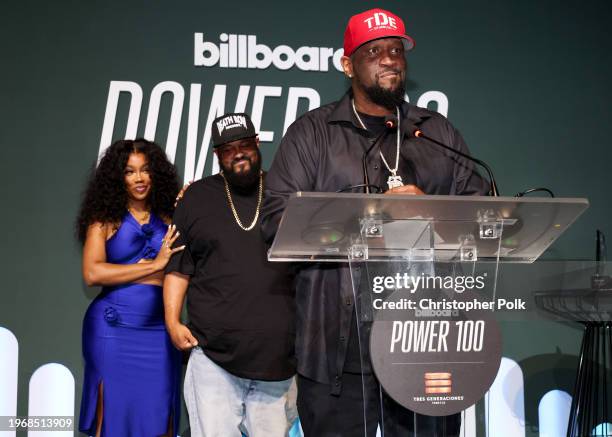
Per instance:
x=322, y=151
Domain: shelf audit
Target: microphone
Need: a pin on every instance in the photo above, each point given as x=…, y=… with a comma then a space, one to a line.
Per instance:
x=600, y=281
x=419, y=134
x=390, y=123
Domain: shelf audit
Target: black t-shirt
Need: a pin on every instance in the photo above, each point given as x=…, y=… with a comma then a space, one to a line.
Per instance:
x=375, y=124
x=352, y=362
x=241, y=306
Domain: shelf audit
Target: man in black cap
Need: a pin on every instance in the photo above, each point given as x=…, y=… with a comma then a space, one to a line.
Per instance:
x=241, y=307
x=323, y=151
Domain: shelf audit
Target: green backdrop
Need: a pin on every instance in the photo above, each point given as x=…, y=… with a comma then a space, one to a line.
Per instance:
x=527, y=82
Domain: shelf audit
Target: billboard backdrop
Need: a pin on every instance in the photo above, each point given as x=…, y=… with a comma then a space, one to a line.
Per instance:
x=527, y=84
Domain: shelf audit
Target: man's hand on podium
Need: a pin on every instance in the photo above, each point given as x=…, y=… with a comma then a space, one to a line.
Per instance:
x=405, y=189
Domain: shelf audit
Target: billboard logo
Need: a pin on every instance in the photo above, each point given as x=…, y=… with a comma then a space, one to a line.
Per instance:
x=243, y=51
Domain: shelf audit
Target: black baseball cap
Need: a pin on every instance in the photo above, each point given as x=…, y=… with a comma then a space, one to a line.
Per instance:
x=231, y=127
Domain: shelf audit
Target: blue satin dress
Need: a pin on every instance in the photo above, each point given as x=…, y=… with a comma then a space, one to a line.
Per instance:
x=126, y=347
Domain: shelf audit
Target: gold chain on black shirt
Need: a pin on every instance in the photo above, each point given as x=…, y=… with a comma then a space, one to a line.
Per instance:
x=233, y=208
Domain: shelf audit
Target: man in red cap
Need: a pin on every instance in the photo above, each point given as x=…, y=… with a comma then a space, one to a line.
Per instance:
x=338, y=394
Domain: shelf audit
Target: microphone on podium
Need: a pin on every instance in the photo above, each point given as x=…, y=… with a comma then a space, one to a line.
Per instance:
x=418, y=133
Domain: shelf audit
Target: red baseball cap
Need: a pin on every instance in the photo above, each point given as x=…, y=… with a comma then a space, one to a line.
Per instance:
x=371, y=25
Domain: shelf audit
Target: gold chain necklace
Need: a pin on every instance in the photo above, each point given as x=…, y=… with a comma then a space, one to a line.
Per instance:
x=233, y=208
x=145, y=218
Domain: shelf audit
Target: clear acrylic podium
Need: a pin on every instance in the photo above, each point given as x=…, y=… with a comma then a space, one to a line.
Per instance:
x=424, y=272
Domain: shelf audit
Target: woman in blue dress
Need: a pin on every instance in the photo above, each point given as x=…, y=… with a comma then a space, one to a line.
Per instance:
x=132, y=371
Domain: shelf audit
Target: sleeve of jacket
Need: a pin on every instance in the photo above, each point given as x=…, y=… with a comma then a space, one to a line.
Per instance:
x=293, y=169
x=467, y=181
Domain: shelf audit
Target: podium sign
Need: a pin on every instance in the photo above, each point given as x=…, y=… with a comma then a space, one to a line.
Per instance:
x=435, y=350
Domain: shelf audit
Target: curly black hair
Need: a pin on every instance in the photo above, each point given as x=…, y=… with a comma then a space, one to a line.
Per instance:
x=105, y=198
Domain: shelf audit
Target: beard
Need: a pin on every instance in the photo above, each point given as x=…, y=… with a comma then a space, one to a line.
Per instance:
x=245, y=181
x=387, y=98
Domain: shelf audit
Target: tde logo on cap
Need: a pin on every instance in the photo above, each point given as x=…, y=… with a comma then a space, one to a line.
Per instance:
x=380, y=19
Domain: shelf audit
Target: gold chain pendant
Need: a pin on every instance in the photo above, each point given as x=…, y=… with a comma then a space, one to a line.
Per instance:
x=233, y=208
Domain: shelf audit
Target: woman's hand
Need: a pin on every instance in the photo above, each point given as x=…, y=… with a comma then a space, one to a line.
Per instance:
x=181, y=193
x=97, y=271
x=166, y=251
